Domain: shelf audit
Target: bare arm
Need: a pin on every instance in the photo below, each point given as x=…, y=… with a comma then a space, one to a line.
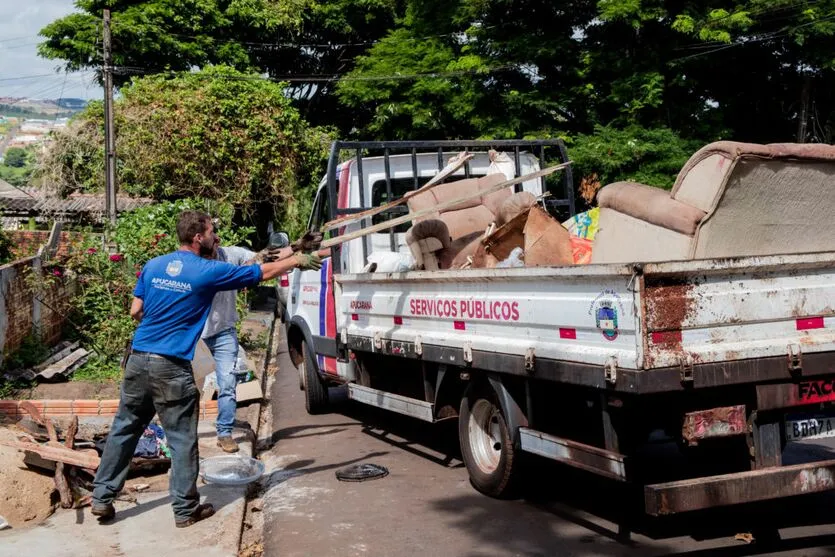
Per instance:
x=136, y=309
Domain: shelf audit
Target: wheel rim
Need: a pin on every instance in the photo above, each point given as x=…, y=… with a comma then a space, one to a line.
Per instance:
x=485, y=436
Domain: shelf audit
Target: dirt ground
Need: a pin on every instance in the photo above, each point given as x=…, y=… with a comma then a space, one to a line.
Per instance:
x=26, y=497
x=74, y=390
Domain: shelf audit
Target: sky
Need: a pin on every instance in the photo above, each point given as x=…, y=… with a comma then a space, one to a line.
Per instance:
x=20, y=22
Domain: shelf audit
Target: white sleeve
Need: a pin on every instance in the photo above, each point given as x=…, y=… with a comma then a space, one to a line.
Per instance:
x=237, y=255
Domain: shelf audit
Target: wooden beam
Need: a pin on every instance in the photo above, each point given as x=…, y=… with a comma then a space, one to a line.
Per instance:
x=62, y=472
x=436, y=180
x=411, y=216
x=57, y=454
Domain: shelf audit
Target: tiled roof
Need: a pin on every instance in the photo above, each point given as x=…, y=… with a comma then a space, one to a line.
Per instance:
x=76, y=204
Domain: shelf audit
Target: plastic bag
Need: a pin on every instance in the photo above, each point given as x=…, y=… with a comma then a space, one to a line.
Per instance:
x=390, y=262
x=501, y=163
x=584, y=225
x=242, y=371
x=581, y=249
x=512, y=260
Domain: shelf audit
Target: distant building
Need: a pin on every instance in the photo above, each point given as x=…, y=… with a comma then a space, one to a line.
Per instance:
x=72, y=104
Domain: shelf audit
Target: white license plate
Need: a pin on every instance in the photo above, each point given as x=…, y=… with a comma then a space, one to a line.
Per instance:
x=810, y=428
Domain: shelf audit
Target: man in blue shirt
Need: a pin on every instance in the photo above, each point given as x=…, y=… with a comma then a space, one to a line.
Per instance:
x=171, y=301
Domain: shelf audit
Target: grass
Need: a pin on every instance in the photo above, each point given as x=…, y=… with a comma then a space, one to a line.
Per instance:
x=256, y=342
x=12, y=389
x=98, y=370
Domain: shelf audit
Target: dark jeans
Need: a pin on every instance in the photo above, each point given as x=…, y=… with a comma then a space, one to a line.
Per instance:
x=153, y=384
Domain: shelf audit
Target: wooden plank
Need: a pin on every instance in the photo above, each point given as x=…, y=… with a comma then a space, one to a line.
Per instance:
x=38, y=417
x=58, y=454
x=62, y=366
x=67, y=498
x=411, y=216
x=447, y=171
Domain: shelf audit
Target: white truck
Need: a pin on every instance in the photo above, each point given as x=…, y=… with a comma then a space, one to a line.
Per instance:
x=708, y=313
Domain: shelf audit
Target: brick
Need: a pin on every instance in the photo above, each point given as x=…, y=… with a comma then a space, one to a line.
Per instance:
x=86, y=405
x=57, y=404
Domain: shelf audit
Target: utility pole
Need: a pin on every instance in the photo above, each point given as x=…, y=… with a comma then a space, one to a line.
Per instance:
x=802, y=122
x=109, y=135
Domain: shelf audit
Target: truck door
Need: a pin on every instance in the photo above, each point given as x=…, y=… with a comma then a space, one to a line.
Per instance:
x=312, y=292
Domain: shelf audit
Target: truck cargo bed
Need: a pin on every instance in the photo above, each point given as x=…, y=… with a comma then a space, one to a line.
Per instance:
x=704, y=321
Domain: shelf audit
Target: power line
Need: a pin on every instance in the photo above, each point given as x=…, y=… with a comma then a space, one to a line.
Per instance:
x=762, y=11
x=134, y=70
x=785, y=32
x=18, y=38
x=166, y=31
x=24, y=77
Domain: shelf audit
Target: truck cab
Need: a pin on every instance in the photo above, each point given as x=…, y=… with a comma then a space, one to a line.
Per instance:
x=364, y=181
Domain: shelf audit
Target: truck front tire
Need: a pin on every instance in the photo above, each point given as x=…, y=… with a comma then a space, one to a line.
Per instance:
x=486, y=447
x=315, y=389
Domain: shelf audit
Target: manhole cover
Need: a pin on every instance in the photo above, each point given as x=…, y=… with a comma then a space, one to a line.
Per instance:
x=361, y=473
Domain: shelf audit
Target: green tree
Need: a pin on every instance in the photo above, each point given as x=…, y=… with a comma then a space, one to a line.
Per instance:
x=216, y=134
x=15, y=157
x=306, y=41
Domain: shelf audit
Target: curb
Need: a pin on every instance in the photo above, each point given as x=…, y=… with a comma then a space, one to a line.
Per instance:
x=83, y=407
x=256, y=412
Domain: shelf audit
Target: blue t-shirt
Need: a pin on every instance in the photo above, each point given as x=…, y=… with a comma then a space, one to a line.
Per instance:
x=177, y=291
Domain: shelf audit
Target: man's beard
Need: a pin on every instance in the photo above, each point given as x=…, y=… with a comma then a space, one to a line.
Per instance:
x=207, y=252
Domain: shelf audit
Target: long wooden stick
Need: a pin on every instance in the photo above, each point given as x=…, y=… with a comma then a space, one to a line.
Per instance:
x=62, y=472
x=440, y=207
x=57, y=454
x=448, y=170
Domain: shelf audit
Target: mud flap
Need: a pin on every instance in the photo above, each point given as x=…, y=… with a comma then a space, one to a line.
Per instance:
x=514, y=416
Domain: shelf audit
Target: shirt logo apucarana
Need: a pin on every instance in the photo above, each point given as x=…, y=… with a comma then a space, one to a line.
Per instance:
x=174, y=268
x=172, y=285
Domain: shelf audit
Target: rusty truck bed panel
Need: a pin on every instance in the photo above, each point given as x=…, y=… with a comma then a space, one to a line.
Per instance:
x=731, y=312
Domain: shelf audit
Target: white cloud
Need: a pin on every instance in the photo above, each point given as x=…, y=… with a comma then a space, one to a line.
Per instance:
x=20, y=22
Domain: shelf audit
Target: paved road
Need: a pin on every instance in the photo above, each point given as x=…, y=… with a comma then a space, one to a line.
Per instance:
x=426, y=505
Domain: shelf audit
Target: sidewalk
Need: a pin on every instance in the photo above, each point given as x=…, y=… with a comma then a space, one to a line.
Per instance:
x=146, y=528
x=142, y=529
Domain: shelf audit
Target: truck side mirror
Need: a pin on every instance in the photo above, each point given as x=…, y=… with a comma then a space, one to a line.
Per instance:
x=279, y=240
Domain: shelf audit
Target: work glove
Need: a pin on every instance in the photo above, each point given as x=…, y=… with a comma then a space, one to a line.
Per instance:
x=309, y=242
x=308, y=261
x=267, y=255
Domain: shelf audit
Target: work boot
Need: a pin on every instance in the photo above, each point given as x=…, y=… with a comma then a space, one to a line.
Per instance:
x=105, y=511
x=202, y=512
x=226, y=443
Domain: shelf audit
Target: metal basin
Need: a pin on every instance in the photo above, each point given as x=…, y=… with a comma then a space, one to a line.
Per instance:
x=231, y=470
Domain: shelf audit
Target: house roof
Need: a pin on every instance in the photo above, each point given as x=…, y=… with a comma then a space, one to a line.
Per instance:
x=76, y=205
x=8, y=191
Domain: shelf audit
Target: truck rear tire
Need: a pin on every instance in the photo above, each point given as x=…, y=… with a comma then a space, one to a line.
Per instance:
x=315, y=389
x=486, y=447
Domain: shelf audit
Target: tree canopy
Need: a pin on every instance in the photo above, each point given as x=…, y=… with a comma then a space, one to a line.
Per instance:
x=603, y=74
x=15, y=157
x=215, y=134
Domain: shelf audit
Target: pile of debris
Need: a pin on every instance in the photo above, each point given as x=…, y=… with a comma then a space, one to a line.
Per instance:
x=63, y=360
x=70, y=453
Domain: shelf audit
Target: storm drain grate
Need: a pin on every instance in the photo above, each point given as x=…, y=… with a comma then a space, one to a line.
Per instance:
x=361, y=473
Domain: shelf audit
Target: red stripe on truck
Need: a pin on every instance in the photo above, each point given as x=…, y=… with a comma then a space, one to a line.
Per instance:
x=568, y=333
x=810, y=323
x=666, y=337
